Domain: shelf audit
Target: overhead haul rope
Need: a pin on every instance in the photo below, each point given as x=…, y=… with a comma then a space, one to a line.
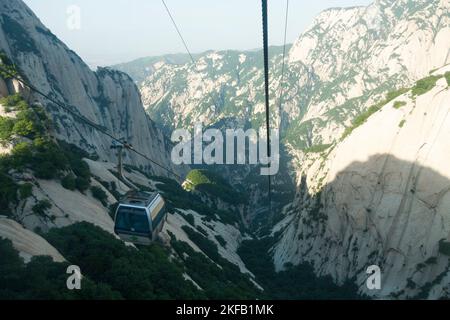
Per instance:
x=283, y=61
x=266, y=89
x=178, y=31
x=85, y=120
x=266, y=72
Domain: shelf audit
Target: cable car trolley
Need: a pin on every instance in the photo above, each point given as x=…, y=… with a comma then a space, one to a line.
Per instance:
x=140, y=217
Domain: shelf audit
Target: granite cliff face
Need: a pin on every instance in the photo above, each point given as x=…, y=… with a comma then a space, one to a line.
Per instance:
x=371, y=189
x=372, y=177
x=32, y=204
x=358, y=54
x=108, y=98
x=380, y=196
x=345, y=61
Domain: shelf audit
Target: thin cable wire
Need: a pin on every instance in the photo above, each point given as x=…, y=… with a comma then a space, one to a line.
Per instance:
x=266, y=74
x=178, y=31
x=86, y=121
x=266, y=89
x=283, y=62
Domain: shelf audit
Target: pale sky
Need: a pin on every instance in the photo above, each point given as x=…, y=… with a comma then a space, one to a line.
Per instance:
x=113, y=31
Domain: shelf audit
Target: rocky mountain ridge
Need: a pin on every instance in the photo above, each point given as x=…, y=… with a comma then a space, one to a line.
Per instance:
x=106, y=97
x=380, y=197
x=344, y=62
x=354, y=71
x=59, y=175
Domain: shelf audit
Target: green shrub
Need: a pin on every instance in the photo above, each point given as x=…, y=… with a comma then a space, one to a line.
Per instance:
x=202, y=231
x=69, y=182
x=8, y=193
x=21, y=154
x=402, y=123
x=224, y=282
x=112, y=188
x=45, y=170
x=48, y=160
x=8, y=65
x=361, y=119
x=147, y=273
x=214, y=185
x=424, y=85
x=431, y=260
x=399, y=104
x=177, y=197
x=25, y=190
x=42, y=278
x=41, y=207
x=197, y=177
x=42, y=155
x=100, y=195
x=447, y=77
x=206, y=245
x=295, y=282
x=82, y=184
x=112, y=210
x=444, y=247
x=395, y=94
x=24, y=128
x=29, y=121
x=11, y=100
x=221, y=240
x=317, y=148
x=189, y=218
x=6, y=128
x=80, y=168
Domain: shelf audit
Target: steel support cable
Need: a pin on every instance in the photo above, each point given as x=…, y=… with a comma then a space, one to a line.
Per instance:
x=266, y=73
x=85, y=120
x=283, y=62
x=266, y=90
x=178, y=31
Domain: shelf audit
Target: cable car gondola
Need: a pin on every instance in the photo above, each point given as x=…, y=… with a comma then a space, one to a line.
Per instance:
x=140, y=217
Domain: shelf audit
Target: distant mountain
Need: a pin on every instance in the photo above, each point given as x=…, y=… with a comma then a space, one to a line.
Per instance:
x=346, y=60
x=60, y=185
x=221, y=90
x=380, y=197
x=143, y=67
x=364, y=178
x=364, y=124
x=106, y=97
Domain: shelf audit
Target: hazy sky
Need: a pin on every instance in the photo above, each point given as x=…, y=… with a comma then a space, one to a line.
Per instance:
x=113, y=31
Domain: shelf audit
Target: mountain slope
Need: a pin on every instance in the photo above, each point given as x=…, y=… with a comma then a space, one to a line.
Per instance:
x=108, y=98
x=347, y=60
x=380, y=197
x=59, y=182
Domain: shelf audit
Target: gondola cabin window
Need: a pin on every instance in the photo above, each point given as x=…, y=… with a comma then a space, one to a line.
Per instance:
x=140, y=217
x=132, y=219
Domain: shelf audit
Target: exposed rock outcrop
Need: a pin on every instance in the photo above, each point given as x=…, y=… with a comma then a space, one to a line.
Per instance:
x=108, y=98
x=26, y=242
x=385, y=200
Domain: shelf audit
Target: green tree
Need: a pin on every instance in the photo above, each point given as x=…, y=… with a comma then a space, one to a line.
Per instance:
x=6, y=128
x=41, y=207
x=8, y=193
x=42, y=278
x=100, y=195
x=69, y=182
x=146, y=273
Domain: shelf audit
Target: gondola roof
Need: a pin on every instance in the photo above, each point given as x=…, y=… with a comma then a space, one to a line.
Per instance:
x=138, y=198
